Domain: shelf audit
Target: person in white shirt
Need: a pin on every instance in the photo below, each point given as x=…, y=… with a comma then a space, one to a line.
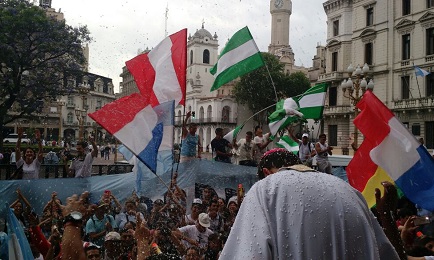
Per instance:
x=323, y=150
x=196, y=235
x=13, y=158
x=261, y=142
x=82, y=165
x=29, y=163
x=297, y=213
x=245, y=149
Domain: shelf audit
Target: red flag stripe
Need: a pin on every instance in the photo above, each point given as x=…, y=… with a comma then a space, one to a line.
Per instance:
x=179, y=58
x=155, y=76
x=118, y=113
x=143, y=73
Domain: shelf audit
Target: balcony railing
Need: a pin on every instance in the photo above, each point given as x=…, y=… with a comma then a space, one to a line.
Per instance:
x=70, y=105
x=331, y=76
x=414, y=103
x=333, y=110
x=221, y=120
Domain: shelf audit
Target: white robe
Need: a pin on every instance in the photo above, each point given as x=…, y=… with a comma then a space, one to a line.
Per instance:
x=305, y=215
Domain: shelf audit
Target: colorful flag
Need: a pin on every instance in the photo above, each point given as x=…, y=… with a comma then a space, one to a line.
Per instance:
x=420, y=72
x=141, y=128
x=239, y=56
x=309, y=105
x=19, y=247
x=287, y=143
x=160, y=75
x=233, y=134
x=389, y=152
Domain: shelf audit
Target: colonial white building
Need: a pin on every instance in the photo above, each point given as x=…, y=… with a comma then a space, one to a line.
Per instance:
x=390, y=36
x=212, y=109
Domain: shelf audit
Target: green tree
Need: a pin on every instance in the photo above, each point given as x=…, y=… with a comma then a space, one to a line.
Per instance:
x=256, y=90
x=37, y=56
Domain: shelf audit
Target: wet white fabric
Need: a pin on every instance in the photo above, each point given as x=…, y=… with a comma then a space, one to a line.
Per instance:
x=305, y=215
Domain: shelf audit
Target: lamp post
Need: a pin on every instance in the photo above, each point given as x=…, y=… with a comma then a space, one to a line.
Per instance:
x=60, y=103
x=80, y=114
x=83, y=90
x=356, y=89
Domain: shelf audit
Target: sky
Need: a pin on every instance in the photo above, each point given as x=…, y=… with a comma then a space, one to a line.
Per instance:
x=120, y=28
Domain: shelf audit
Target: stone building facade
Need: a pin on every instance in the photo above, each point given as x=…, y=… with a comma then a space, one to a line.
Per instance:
x=391, y=37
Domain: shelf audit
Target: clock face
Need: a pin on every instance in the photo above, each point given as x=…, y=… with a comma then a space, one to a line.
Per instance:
x=278, y=3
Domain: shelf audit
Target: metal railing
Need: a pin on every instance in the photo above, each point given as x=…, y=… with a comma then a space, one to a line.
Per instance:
x=48, y=171
x=414, y=103
x=224, y=120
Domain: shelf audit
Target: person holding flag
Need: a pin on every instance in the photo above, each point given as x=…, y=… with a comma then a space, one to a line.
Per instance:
x=245, y=149
x=190, y=140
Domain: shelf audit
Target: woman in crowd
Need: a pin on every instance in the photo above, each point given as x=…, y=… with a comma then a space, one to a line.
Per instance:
x=29, y=163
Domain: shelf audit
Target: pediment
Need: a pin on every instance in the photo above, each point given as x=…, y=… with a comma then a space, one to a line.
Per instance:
x=428, y=16
x=367, y=33
x=427, y=20
x=404, y=23
x=333, y=43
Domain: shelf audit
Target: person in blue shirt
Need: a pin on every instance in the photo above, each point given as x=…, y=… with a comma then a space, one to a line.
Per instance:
x=190, y=140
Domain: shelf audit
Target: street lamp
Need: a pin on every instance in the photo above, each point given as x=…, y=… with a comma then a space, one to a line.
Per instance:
x=80, y=114
x=83, y=90
x=356, y=89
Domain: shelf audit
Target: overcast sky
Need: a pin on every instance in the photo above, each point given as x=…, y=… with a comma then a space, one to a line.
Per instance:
x=120, y=28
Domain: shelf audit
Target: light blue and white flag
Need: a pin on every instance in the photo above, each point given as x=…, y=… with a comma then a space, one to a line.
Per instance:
x=19, y=247
x=420, y=72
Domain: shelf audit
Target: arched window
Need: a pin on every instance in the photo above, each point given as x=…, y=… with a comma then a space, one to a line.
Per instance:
x=206, y=56
x=69, y=118
x=225, y=113
x=191, y=57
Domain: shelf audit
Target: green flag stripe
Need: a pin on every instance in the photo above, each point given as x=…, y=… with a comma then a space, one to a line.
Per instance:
x=288, y=144
x=247, y=65
x=312, y=112
x=312, y=100
x=238, y=39
x=237, y=130
x=235, y=56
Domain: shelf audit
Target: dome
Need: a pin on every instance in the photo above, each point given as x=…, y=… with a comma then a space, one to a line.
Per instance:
x=202, y=33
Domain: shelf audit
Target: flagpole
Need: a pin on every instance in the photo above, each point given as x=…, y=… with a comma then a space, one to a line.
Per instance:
x=269, y=74
x=272, y=82
x=417, y=81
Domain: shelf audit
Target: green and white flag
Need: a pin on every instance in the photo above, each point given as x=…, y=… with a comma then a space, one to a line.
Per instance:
x=287, y=143
x=239, y=56
x=233, y=134
x=309, y=105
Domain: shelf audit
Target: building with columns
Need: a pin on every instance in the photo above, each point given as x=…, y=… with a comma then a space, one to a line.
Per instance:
x=212, y=109
x=391, y=37
x=62, y=118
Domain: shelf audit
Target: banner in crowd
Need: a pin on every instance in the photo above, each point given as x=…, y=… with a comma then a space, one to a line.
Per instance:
x=216, y=174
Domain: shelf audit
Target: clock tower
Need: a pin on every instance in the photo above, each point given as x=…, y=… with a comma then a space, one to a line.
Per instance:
x=280, y=13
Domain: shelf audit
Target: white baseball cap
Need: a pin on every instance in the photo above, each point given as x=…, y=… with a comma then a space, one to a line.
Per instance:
x=304, y=135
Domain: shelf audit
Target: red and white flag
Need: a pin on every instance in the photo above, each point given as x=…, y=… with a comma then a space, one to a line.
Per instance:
x=160, y=74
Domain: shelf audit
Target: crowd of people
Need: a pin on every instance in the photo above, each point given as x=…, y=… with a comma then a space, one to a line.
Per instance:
x=110, y=229
x=293, y=212
x=26, y=163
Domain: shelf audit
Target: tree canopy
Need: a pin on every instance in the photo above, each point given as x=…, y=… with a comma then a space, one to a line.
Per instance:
x=37, y=55
x=256, y=90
